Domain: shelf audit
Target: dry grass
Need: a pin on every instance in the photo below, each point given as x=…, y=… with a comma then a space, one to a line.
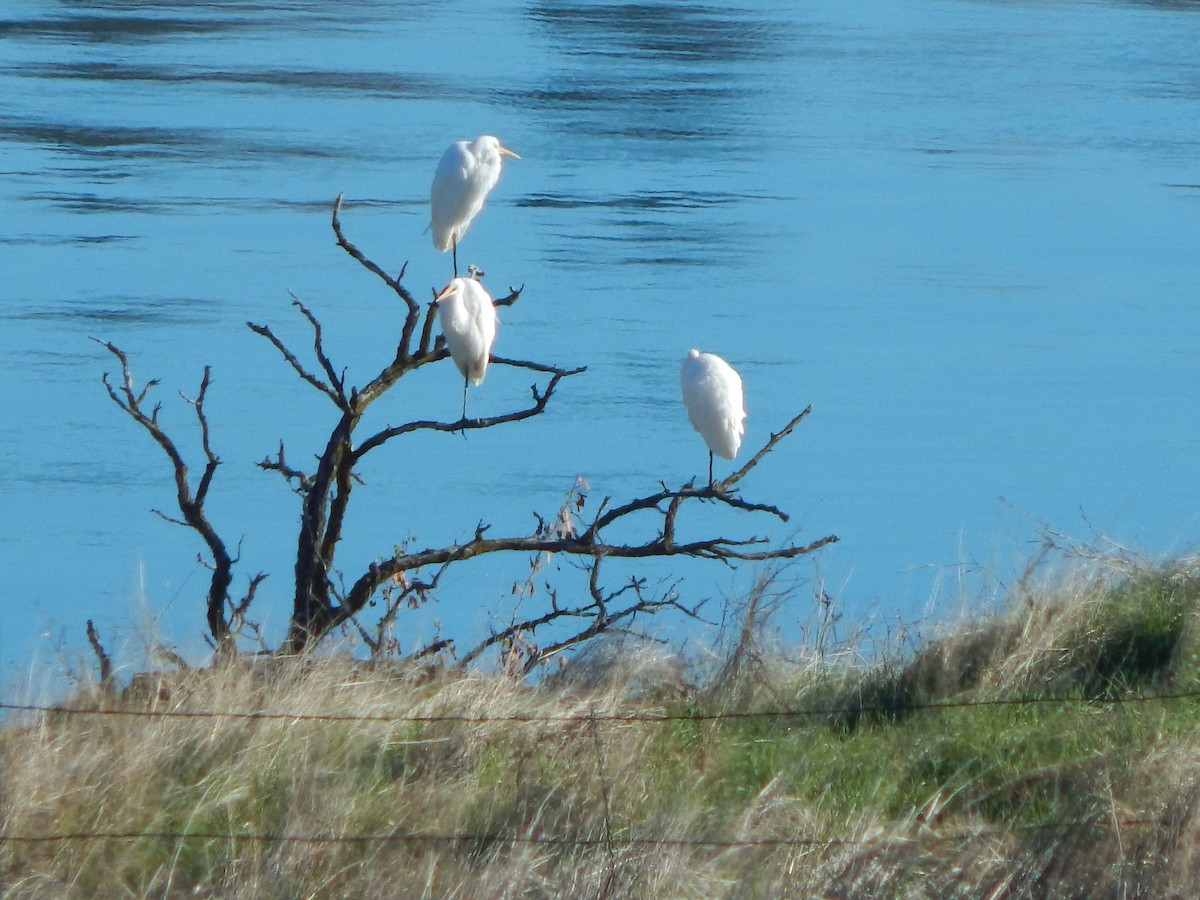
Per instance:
x=884, y=798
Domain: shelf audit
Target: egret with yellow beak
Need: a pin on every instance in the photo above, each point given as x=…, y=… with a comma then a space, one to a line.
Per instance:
x=465, y=176
x=467, y=314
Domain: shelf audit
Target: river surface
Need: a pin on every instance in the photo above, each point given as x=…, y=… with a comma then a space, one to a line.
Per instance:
x=964, y=231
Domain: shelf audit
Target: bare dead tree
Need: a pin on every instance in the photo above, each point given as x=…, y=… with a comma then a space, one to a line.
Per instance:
x=326, y=491
x=407, y=579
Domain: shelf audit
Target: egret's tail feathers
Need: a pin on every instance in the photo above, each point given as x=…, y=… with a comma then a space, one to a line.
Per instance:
x=476, y=373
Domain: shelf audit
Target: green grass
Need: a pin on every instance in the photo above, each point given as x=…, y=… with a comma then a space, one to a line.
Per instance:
x=930, y=773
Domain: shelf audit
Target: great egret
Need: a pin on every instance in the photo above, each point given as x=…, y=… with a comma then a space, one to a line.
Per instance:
x=468, y=317
x=712, y=393
x=465, y=176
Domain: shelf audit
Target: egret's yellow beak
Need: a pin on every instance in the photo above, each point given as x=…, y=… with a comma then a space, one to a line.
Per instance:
x=504, y=151
x=446, y=292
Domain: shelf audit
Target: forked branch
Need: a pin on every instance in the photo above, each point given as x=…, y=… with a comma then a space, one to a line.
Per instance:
x=334, y=389
x=191, y=504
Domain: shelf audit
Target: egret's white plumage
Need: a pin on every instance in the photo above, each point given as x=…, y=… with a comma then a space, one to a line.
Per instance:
x=712, y=393
x=465, y=176
x=467, y=315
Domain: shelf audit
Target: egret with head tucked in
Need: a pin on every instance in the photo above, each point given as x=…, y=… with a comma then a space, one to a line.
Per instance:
x=712, y=393
x=465, y=176
x=467, y=314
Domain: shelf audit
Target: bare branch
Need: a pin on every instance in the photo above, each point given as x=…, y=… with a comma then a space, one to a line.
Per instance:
x=212, y=460
x=597, y=609
x=601, y=625
x=536, y=367
x=191, y=506
x=367, y=264
x=105, y=661
x=171, y=519
x=540, y=399
x=527, y=626
x=397, y=369
x=514, y=294
x=240, y=610
x=239, y=623
x=292, y=361
x=434, y=647
x=403, y=592
x=279, y=464
x=767, y=448
x=343, y=479
x=336, y=381
x=427, y=329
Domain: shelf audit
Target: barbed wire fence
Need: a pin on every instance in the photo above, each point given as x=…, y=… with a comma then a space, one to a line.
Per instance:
x=603, y=842
x=579, y=718
x=592, y=720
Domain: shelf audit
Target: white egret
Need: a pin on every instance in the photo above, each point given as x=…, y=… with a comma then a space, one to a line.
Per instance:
x=712, y=393
x=468, y=317
x=465, y=176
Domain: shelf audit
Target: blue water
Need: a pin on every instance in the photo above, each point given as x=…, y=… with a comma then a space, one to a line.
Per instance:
x=965, y=232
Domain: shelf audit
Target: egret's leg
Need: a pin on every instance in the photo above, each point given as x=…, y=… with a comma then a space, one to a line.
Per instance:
x=710, y=481
x=454, y=254
x=463, y=430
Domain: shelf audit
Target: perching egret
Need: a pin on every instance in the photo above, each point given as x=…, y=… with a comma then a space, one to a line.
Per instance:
x=464, y=178
x=468, y=317
x=712, y=393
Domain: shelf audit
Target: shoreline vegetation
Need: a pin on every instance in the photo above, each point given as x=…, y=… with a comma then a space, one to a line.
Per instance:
x=1046, y=750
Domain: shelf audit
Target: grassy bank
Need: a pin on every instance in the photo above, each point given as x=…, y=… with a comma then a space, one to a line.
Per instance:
x=1016, y=755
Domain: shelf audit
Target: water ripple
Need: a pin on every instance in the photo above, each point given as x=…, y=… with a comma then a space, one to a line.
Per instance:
x=641, y=200
x=130, y=142
x=115, y=29
x=342, y=81
x=157, y=21
x=121, y=311
x=56, y=240
x=676, y=32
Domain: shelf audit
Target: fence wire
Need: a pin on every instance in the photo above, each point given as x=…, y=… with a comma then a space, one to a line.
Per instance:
x=615, y=718
x=489, y=839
